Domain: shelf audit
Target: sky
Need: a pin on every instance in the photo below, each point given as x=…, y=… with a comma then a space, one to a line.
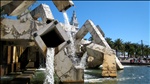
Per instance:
x=127, y=20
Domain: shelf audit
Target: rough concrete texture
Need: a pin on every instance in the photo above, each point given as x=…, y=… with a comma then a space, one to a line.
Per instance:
x=25, y=16
x=68, y=73
x=98, y=37
x=102, y=55
x=94, y=31
x=63, y=5
x=109, y=68
x=13, y=31
x=119, y=65
x=44, y=12
x=15, y=8
x=101, y=31
x=5, y=2
x=96, y=54
x=57, y=29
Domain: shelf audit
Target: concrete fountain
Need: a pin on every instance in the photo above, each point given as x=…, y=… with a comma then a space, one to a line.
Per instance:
x=66, y=47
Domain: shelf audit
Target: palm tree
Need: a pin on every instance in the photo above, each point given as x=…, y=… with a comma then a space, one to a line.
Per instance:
x=118, y=45
x=110, y=42
x=127, y=47
x=131, y=49
x=146, y=50
x=137, y=49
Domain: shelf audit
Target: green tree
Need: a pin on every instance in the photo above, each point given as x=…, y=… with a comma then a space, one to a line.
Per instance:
x=118, y=45
x=110, y=42
x=146, y=50
x=137, y=49
x=127, y=47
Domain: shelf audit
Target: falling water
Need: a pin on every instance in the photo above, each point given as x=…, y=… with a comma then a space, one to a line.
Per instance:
x=49, y=66
x=71, y=47
x=83, y=61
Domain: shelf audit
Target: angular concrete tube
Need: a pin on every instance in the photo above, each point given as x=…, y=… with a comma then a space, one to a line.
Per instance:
x=52, y=35
x=44, y=12
x=63, y=5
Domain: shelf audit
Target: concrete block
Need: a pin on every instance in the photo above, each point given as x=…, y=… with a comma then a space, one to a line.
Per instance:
x=69, y=73
x=96, y=53
x=73, y=76
x=60, y=61
x=52, y=35
x=15, y=8
x=109, y=66
x=13, y=31
x=5, y=2
x=63, y=5
x=44, y=12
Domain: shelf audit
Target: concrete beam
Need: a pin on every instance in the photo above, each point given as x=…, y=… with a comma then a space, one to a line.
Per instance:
x=109, y=68
x=94, y=31
x=96, y=54
x=63, y=5
x=101, y=31
x=104, y=56
x=15, y=8
x=5, y=2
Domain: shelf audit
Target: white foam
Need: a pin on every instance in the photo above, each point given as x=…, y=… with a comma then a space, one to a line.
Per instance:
x=41, y=69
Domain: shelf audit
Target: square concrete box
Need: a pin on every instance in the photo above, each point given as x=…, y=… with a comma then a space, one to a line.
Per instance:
x=51, y=35
x=44, y=12
x=63, y=5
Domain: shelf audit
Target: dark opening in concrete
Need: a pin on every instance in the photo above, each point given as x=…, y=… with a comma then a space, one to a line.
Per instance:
x=52, y=38
x=48, y=21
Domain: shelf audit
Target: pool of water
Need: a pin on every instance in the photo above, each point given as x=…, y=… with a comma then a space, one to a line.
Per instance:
x=130, y=75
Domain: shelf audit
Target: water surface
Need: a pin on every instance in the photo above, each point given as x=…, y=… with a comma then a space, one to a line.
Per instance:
x=130, y=75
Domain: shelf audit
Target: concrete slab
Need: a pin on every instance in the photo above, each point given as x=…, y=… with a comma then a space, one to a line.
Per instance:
x=63, y=5
x=15, y=8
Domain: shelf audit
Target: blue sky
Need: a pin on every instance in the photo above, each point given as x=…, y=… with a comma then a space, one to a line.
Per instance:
x=128, y=20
